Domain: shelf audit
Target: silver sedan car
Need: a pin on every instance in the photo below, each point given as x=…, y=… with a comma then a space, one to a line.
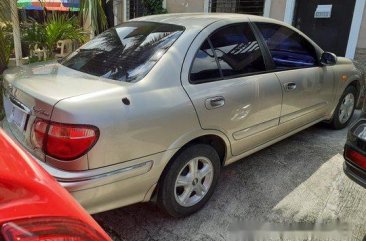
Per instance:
x=153, y=108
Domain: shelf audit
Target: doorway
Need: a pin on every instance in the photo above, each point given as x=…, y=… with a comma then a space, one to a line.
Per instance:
x=332, y=33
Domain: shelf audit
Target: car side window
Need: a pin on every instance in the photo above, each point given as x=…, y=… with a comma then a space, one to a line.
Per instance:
x=288, y=48
x=237, y=50
x=204, y=67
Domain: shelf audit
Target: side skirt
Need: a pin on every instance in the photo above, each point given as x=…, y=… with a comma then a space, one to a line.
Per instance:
x=269, y=143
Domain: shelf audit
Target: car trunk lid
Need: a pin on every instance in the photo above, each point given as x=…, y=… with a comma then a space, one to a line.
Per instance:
x=32, y=91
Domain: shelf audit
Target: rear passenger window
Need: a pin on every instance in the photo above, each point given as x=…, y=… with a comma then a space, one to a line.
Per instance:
x=288, y=48
x=204, y=66
x=237, y=50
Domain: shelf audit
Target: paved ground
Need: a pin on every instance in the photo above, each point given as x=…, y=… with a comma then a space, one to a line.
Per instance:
x=297, y=180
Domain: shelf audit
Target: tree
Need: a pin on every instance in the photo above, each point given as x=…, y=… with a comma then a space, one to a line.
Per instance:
x=16, y=32
x=7, y=16
x=93, y=11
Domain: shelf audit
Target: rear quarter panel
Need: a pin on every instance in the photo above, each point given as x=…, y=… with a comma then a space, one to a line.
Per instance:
x=159, y=113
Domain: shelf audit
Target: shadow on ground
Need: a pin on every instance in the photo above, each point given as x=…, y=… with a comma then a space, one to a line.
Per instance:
x=299, y=179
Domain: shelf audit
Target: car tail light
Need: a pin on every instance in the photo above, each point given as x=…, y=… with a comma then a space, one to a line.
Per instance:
x=356, y=157
x=50, y=229
x=63, y=141
x=39, y=133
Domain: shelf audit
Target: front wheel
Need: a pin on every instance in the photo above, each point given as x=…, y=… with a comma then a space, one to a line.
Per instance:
x=345, y=108
x=189, y=180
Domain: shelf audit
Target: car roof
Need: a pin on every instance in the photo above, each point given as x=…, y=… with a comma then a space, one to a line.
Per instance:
x=199, y=20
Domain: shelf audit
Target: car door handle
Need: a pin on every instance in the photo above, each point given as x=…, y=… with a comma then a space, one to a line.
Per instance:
x=214, y=102
x=290, y=86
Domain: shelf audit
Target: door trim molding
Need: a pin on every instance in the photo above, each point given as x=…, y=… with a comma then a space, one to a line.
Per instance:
x=256, y=129
x=308, y=110
x=235, y=158
x=355, y=28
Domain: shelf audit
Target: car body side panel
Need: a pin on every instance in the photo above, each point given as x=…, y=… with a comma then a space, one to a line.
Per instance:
x=159, y=112
x=310, y=100
x=330, y=84
x=251, y=111
x=252, y=103
x=148, y=125
x=345, y=73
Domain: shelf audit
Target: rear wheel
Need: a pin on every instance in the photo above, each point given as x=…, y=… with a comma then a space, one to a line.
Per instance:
x=345, y=108
x=189, y=180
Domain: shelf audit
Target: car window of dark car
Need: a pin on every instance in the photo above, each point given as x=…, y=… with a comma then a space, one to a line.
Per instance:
x=237, y=50
x=126, y=52
x=204, y=67
x=288, y=48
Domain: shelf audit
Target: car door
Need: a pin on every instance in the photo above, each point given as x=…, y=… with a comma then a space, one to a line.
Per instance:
x=307, y=86
x=225, y=76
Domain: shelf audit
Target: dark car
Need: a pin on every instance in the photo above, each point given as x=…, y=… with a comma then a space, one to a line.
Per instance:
x=355, y=151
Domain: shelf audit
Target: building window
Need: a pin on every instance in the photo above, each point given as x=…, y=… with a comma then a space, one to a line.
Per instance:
x=254, y=7
x=135, y=9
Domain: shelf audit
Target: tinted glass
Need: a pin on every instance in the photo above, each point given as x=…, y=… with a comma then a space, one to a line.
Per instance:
x=204, y=65
x=125, y=53
x=288, y=48
x=237, y=50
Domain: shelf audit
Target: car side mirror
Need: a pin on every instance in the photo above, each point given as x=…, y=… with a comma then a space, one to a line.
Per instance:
x=328, y=59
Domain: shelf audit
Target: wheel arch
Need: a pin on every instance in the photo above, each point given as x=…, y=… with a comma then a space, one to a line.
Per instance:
x=214, y=138
x=357, y=84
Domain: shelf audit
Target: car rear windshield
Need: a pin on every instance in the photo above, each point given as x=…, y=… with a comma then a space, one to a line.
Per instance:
x=126, y=52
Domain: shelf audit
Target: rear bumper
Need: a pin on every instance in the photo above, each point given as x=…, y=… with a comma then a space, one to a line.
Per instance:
x=355, y=173
x=113, y=186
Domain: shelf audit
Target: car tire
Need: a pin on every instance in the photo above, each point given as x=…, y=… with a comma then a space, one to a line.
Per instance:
x=189, y=180
x=345, y=108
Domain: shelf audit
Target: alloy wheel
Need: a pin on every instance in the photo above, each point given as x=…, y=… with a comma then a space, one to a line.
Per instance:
x=194, y=181
x=346, y=108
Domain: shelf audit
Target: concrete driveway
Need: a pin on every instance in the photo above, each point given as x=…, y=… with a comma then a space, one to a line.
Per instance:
x=297, y=180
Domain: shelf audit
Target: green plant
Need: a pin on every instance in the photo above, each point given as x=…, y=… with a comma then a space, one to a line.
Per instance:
x=6, y=41
x=6, y=46
x=34, y=34
x=34, y=59
x=94, y=10
x=5, y=14
x=152, y=7
x=58, y=27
